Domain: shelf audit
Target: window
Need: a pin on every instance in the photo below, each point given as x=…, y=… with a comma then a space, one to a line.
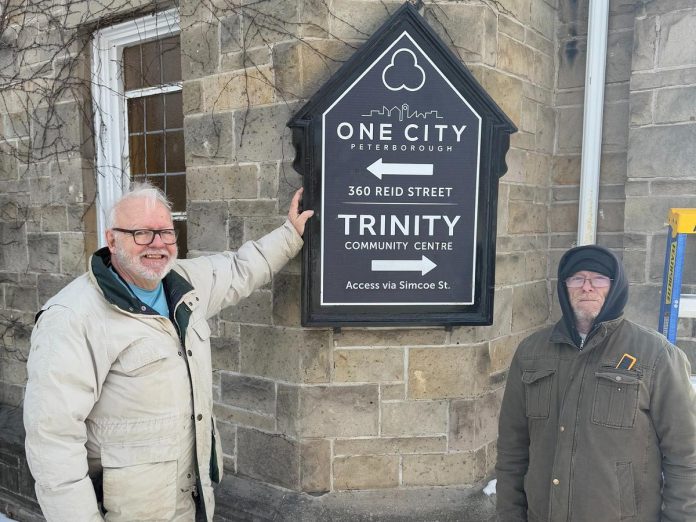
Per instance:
x=138, y=113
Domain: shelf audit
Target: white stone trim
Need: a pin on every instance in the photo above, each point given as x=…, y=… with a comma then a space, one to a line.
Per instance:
x=112, y=169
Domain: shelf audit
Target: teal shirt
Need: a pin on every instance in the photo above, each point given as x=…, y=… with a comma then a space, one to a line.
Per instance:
x=155, y=299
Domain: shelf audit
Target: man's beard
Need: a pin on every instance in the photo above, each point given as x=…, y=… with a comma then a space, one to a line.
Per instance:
x=132, y=265
x=585, y=315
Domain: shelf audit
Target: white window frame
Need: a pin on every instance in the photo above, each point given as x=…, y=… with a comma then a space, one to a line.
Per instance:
x=108, y=100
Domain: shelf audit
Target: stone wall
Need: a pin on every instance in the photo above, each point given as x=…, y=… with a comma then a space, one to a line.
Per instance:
x=322, y=410
x=662, y=157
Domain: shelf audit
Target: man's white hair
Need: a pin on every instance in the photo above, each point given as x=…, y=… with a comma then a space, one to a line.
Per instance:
x=138, y=190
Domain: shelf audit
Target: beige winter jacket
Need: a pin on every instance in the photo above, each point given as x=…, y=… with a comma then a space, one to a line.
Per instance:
x=119, y=398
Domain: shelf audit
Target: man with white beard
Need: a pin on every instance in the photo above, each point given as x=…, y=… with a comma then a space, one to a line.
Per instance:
x=118, y=408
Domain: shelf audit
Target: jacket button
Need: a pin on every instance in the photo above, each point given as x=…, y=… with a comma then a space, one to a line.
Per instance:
x=180, y=354
x=556, y=482
x=199, y=416
x=188, y=475
x=143, y=308
x=562, y=429
x=191, y=417
x=190, y=353
x=618, y=378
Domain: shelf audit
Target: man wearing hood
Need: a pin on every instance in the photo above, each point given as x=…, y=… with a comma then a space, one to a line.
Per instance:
x=598, y=421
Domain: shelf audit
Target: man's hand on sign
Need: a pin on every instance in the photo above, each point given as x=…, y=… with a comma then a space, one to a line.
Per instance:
x=298, y=219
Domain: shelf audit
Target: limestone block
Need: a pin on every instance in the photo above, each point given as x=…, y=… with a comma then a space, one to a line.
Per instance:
x=228, y=437
x=255, y=309
x=199, y=50
x=57, y=130
x=663, y=78
x=262, y=134
x=414, y=418
x=474, y=422
x=571, y=63
x=569, y=130
x=610, y=216
x=49, y=285
x=530, y=306
x=390, y=446
x=565, y=194
x=222, y=182
x=501, y=351
x=544, y=72
x=225, y=349
x=257, y=227
x=207, y=226
x=619, y=53
x=13, y=255
x=270, y=458
x=72, y=181
x=666, y=187
x=644, y=41
x=677, y=39
x=366, y=472
x=392, y=392
x=644, y=304
x=444, y=470
x=264, y=23
x=451, y=371
x=476, y=45
x=543, y=18
x=564, y=217
x=235, y=232
x=649, y=214
x=246, y=418
x=21, y=297
x=13, y=371
x=369, y=365
x=209, y=139
x=505, y=90
x=268, y=180
x=546, y=128
x=8, y=162
x=634, y=262
x=73, y=258
x=231, y=37
x=338, y=411
x=301, y=68
x=191, y=96
x=248, y=393
x=540, y=43
x=615, y=126
x=521, y=10
x=54, y=218
x=357, y=20
x=256, y=207
x=11, y=394
x=314, y=17
x=527, y=217
x=315, y=465
x=528, y=115
x=640, y=112
x=614, y=166
x=511, y=27
x=389, y=337
x=288, y=403
x=566, y=169
x=286, y=354
x=44, y=252
x=675, y=105
x=250, y=59
x=286, y=299
x=515, y=57
x=522, y=140
x=238, y=89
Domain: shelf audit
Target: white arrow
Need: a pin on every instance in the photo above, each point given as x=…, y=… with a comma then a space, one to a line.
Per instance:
x=422, y=265
x=380, y=169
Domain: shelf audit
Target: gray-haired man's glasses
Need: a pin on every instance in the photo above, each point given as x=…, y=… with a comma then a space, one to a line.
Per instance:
x=596, y=281
x=144, y=236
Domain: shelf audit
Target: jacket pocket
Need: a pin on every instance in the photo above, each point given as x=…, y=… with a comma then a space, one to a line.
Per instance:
x=627, y=494
x=140, y=354
x=139, y=480
x=616, y=398
x=537, y=389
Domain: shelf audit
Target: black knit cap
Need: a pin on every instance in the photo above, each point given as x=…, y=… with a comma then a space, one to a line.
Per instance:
x=590, y=259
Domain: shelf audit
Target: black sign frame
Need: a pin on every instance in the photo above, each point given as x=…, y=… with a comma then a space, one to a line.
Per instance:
x=494, y=141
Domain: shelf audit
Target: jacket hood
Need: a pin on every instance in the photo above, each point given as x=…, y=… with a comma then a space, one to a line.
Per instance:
x=596, y=259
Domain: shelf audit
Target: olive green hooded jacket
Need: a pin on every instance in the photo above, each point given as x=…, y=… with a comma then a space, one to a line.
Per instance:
x=584, y=441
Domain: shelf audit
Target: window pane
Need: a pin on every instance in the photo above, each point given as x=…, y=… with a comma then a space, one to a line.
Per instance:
x=175, y=151
x=135, y=115
x=174, y=110
x=136, y=151
x=176, y=192
x=171, y=60
x=154, y=160
x=154, y=112
x=151, y=64
x=132, y=77
x=181, y=241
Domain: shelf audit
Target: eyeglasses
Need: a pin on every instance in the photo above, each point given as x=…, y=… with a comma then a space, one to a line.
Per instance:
x=144, y=236
x=596, y=281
